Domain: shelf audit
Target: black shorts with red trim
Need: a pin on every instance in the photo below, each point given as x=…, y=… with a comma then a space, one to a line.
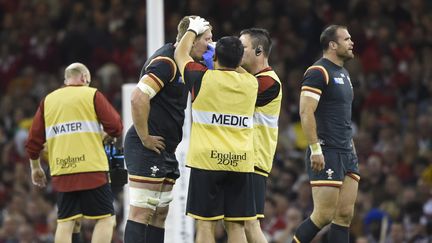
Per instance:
x=91, y=204
x=147, y=166
x=215, y=195
x=337, y=166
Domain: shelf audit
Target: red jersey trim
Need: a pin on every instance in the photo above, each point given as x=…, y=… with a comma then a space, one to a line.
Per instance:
x=195, y=66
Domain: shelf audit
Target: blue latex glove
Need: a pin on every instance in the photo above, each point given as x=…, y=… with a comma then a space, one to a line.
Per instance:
x=208, y=56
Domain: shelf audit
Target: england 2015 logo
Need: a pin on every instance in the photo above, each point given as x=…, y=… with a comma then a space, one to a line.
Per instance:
x=229, y=158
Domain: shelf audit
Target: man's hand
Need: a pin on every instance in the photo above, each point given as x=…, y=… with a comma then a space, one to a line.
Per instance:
x=317, y=157
x=38, y=177
x=208, y=56
x=155, y=143
x=107, y=139
x=198, y=25
x=317, y=162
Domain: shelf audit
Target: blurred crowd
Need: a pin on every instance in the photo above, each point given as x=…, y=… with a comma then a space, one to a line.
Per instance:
x=392, y=110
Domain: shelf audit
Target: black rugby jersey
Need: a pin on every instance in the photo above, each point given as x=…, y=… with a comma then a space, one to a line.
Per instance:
x=167, y=106
x=333, y=114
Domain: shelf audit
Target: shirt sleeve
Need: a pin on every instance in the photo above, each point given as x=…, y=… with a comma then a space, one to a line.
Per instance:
x=315, y=80
x=161, y=70
x=108, y=116
x=268, y=90
x=36, y=138
x=193, y=74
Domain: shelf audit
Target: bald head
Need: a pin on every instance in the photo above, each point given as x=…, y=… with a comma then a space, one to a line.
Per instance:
x=77, y=73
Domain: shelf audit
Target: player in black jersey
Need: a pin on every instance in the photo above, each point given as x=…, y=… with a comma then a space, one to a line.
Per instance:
x=158, y=104
x=331, y=161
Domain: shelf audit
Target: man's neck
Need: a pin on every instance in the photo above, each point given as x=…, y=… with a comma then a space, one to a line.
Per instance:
x=334, y=59
x=74, y=82
x=217, y=66
x=259, y=66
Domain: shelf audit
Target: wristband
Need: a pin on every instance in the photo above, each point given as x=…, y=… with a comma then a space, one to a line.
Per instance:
x=315, y=149
x=34, y=163
x=193, y=31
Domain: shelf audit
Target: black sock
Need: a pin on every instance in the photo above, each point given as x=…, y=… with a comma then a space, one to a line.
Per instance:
x=76, y=237
x=155, y=234
x=135, y=232
x=306, y=232
x=338, y=233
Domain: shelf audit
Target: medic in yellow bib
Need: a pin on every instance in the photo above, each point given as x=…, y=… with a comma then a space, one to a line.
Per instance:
x=221, y=145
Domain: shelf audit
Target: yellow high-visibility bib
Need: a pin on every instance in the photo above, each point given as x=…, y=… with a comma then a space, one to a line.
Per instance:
x=266, y=130
x=222, y=122
x=73, y=132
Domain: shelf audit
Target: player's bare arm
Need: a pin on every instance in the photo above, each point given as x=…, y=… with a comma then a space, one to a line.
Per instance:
x=181, y=54
x=308, y=106
x=37, y=173
x=140, y=101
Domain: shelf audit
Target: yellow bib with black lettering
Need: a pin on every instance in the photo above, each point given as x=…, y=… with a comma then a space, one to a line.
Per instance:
x=266, y=130
x=73, y=132
x=222, y=122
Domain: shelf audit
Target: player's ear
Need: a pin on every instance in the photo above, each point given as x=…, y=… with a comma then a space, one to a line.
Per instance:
x=333, y=45
x=258, y=50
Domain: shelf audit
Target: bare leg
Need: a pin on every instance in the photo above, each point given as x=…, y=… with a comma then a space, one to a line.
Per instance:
x=236, y=232
x=103, y=230
x=324, y=199
x=339, y=229
x=146, y=220
x=347, y=198
x=64, y=231
x=145, y=215
x=205, y=231
x=254, y=233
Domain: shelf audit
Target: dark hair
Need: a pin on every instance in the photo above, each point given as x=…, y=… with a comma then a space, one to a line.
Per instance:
x=260, y=37
x=229, y=51
x=329, y=34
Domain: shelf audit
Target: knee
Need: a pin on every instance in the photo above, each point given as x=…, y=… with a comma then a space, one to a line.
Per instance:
x=141, y=215
x=344, y=216
x=160, y=217
x=323, y=217
x=164, y=202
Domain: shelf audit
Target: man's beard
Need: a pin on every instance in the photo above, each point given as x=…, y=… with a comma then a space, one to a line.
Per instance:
x=346, y=56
